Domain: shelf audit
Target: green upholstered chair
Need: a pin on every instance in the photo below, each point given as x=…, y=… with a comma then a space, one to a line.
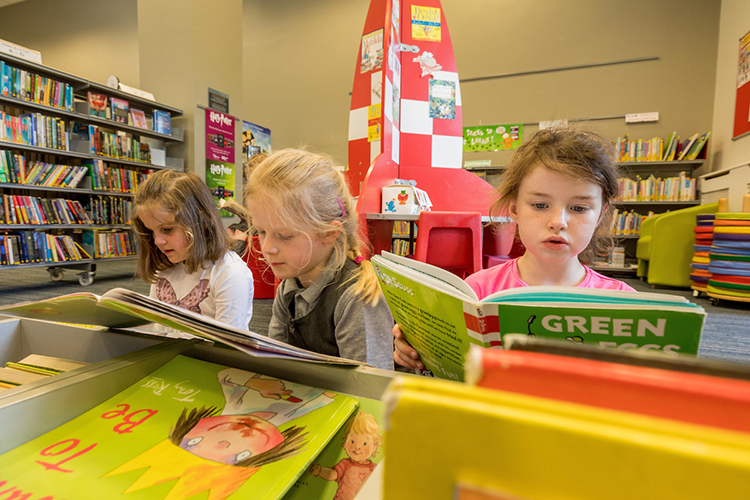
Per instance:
x=665, y=246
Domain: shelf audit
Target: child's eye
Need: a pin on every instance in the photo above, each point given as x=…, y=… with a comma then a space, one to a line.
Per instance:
x=580, y=209
x=539, y=206
x=195, y=441
x=285, y=237
x=166, y=230
x=242, y=456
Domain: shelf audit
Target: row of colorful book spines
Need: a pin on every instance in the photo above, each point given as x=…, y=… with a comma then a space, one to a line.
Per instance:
x=640, y=150
x=401, y=228
x=19, y=83
x=39, y=173
x=400, y=247
x=110, y=210
x=117, y=146
x=628, y=223
x=109, y=244
x=34, y=129
x=123, y=180
x=32, y=210
x=34, y=246
x=657, y=189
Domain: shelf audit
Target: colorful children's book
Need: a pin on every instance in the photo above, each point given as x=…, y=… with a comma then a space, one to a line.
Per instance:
x=351, y=458
x=524, y=447
x=139, y=118
x=191, y=429
x=120, y=110
x=688, y=397
x=697, y=147
x=441, y=316
x=97, y=104
x=162, y=122
x=121, y=308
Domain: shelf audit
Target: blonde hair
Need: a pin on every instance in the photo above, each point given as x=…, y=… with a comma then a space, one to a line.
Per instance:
x=188, y=198
x=308, y=193
x=364, y=424
x=575, y=154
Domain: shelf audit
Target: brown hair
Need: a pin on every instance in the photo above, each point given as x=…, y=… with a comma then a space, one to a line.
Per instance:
x=187, y=197
x=290, y=446
x=576, y=154
x=308, y=192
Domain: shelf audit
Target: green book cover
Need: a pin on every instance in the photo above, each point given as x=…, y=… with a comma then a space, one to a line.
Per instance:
x=191, y=429
x=350, y=458
x=441, y=316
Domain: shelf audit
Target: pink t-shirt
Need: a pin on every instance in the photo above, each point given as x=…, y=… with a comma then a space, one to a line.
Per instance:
x=505, y=276
x=351, y=477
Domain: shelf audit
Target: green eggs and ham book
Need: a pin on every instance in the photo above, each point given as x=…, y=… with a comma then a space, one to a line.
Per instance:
x=441, y=316
x=191, y=429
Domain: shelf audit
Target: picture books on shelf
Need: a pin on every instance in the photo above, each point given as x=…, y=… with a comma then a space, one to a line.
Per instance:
x=139, y=118
x=121, y=308
x=120, y=110
x=162, y=122
x=97, y=104
x=441, y=316
x=190, y=429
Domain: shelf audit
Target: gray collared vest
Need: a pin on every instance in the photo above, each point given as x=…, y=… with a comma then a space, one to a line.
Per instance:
x=316, y=331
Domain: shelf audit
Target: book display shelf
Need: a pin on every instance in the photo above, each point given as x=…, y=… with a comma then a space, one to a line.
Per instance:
x=72, y=153
x=641, y=188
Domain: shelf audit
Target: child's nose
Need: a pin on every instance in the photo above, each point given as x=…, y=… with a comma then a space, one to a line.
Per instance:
x=558, y=219
x=267, y=245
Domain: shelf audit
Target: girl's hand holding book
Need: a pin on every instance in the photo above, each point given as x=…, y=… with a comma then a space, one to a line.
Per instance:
x=403, y=353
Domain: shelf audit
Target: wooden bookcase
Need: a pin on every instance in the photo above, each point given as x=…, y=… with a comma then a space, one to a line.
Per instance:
x=65, y=116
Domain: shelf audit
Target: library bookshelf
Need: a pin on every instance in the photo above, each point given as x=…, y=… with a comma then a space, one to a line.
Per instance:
x=67, y=175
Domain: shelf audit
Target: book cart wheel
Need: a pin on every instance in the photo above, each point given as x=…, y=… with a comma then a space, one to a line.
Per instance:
x=85, y=279
x=714, y=301
x=55, y=273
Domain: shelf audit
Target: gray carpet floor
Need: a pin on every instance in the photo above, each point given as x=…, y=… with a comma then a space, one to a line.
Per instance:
x=726, y=334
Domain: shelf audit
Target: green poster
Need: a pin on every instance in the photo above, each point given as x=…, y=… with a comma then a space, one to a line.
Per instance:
x=220, y=180
x=493, y=137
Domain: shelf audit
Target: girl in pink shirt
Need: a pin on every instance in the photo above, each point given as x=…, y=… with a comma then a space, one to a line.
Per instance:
x=558, y=188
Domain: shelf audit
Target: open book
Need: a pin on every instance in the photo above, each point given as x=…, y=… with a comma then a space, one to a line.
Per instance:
x=121, y=308
x=441, y=316
x=190, y=429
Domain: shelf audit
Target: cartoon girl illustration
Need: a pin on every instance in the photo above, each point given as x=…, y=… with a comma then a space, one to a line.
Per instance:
x=361, y=444
x=218, y=450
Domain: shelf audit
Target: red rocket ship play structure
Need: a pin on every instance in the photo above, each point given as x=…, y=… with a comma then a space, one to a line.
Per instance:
x=405, y=118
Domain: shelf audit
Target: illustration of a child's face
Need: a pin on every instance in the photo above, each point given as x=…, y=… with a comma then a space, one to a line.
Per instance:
x=229, y=439
x=359, y=447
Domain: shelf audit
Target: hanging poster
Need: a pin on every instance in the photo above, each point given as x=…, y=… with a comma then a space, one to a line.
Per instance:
x=493, y=138
x=220, y=156
x=372, y=51
x=442, y=99
x=425, y=23
x=255, y=140
x=742, y=102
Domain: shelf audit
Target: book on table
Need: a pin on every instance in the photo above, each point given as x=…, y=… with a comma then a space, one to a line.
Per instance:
x=441, y=316
x=190, y=429
x=121, y=308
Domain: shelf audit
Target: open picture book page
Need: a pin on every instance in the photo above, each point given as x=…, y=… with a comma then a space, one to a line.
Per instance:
x=189, y=428
x=121, y=308
x=441, y=323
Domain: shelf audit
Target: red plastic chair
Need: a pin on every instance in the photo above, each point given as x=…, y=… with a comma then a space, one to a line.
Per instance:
x=451, y=241
x=497, y=243
x=263, y=277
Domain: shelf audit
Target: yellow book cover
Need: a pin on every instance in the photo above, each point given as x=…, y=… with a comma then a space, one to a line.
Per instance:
x=537, y=448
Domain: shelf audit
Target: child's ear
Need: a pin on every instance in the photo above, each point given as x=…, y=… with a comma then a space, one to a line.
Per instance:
x=513, y=208
x=330, y=236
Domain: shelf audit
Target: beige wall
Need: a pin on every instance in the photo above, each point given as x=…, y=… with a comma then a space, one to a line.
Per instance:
x=299, y=57
x=726, y=153
x=299, y=61
x=88, y=38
